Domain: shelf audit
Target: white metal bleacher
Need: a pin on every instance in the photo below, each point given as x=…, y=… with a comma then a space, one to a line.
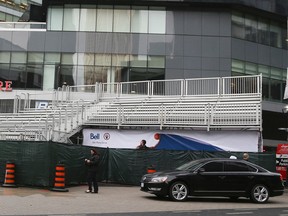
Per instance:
x=228, y=103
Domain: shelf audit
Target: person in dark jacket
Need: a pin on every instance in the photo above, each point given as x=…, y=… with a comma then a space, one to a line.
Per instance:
x=142, y=145
x=92, y=164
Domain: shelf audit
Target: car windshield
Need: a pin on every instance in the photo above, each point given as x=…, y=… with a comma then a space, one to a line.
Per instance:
x=190, y=165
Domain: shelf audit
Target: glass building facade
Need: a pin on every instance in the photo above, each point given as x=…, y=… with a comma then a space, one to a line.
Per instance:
x=112, y=41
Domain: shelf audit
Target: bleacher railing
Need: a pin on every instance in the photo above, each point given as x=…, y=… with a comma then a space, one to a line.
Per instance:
x=196, y=87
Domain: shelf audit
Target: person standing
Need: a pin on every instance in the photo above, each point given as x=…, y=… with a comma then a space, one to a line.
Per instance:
x=92, y=164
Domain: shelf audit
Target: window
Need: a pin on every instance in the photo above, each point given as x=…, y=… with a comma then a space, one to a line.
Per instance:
x=121, y=22
x=104, y=19
x=4, y=57
x=215, y=166
x=275, y=35
x=139, y=20
x=156, y=62
x=55, y=18
x=157, y=21
x=238, y=25
x=276, y=83
x=250, y=68
x=238, y=167
x=250, y=28
x=263, y=32
x=71, y=18
x=238, y=68
x=107, y=18
x=259, y=29
x=273, y=79
x=88, y=18
x=86, y=58
x=18, y=57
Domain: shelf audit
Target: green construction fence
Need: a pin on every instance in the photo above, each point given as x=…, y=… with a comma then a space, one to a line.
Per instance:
x=36, y=162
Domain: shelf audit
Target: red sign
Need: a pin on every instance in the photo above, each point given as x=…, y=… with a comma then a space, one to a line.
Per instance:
x=282, y=159
x=5, y=86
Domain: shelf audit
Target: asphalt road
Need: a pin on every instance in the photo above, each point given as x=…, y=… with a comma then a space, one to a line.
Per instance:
x=126, y=200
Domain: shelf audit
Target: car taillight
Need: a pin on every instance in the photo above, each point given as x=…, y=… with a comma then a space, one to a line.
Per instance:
x=281, y=177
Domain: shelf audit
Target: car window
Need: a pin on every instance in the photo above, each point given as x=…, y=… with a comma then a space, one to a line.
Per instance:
x=214, y=166
x=232, y=166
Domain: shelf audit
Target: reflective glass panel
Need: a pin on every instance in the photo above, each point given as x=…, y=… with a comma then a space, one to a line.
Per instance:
x=251, y=68
x=238, y=67
x=67, y=75
x=104, y=20
x=18, y=75
x=85, y=59
x=35, y=57
x=264, y=70
x=276, y=73
x=18, y=57
x=69, y=59
x=4, y=72
x=238, y=25
x=71, y=18
x=55, y=18
x=275, y=35
x=102, y=60
x=121, y=21
x=138, y=61
x=34, y=76
x=250, y=28
x=88, y=18
x=4, y=57
x=156, y=62
x=52, y=58
x=139, y=20
x=120, y=60
x=157, y=21
x=275, y=89
x=263, y=31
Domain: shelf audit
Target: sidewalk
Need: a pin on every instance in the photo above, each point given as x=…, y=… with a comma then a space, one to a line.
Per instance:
x=110, y=199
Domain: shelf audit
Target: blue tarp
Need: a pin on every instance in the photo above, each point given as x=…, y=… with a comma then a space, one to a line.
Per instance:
x=177, y=142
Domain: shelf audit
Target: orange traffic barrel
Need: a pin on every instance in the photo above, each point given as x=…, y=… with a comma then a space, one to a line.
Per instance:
x=59, y=180
x=10, y=175
x=151, y=169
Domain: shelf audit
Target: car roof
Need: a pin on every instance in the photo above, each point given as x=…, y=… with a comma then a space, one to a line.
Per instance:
x=229, y=159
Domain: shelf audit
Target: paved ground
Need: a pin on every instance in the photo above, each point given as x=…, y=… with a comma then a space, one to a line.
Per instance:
x=110, y=199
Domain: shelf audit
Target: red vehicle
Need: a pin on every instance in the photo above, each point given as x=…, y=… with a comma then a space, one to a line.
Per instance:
x=282, y=160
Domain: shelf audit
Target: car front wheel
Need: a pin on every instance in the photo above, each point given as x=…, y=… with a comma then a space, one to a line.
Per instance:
x=259, y=194
x=178, y=191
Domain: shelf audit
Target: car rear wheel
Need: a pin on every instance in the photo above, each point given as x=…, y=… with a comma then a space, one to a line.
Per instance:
x=259, y=194
x=178, y=191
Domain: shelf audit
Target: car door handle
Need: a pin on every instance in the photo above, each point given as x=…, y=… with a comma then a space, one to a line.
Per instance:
x=221, y=177
x=250, y=177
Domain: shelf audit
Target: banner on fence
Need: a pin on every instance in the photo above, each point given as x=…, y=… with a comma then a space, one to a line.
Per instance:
x=173, y=140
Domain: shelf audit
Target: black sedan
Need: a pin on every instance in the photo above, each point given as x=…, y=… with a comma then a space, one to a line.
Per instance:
x=215, y=177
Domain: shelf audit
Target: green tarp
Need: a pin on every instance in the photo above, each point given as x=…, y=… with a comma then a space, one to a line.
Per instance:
x=36, y=162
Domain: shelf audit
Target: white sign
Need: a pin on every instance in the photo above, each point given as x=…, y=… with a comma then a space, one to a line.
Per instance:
x=180, y=140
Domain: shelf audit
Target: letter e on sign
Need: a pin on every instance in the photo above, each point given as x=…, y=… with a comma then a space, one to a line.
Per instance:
x=6, y=86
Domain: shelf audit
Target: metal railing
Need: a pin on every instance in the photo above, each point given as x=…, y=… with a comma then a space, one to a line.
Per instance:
x=197, y=87
x=23, y=26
